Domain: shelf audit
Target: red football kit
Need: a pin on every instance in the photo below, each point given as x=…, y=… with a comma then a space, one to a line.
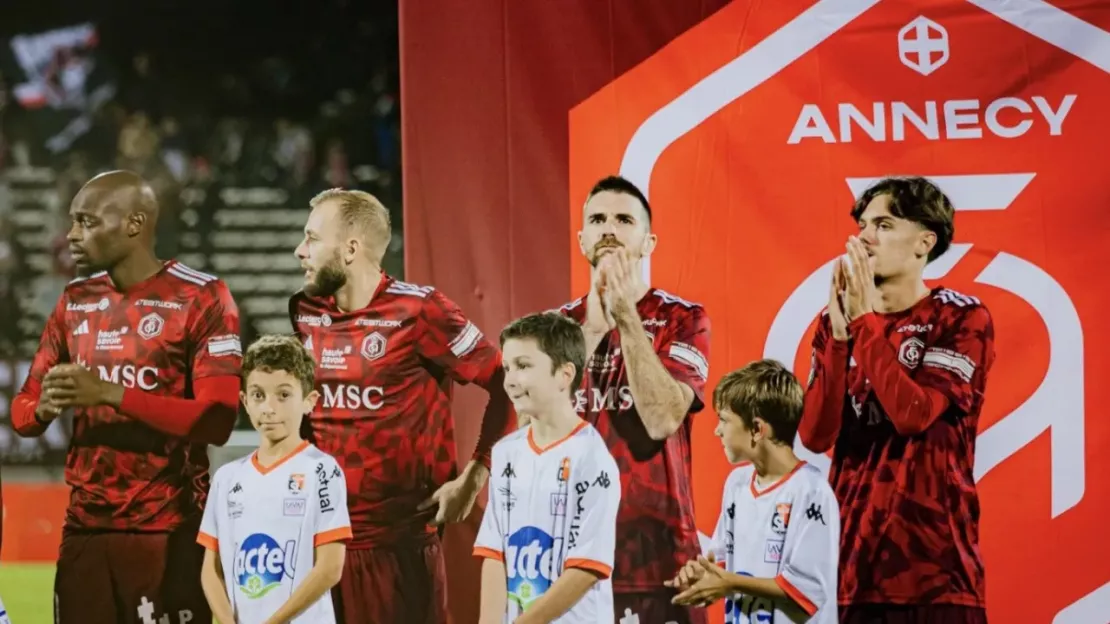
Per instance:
x=899, y=403
x=656, y=531
x=139, y=476
x=384, y=374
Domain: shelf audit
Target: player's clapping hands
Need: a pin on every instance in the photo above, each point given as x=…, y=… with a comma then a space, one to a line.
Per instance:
x=860, y=293
x=838, y=290
x=700, y=582
x=619, y=288
x=73, y=385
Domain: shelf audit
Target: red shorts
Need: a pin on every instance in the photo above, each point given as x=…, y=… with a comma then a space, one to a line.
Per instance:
x=654, y=608
x=395, y=583
x=911, y=614
x=130, y=578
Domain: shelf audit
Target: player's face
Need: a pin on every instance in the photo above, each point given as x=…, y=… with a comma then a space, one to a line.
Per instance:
x=897, y=247
x=320, y=253
x=276, y=403
x=615, y=220
x=531, y=384
x=736, y=438
x=98, y=235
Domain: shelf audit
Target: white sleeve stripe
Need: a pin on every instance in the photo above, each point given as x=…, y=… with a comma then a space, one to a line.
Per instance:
x=185, y=276
x=227, y=345
x=691, y=357
x=467, y=339
x=195, y=273
x=951, y=361
x=404, y=291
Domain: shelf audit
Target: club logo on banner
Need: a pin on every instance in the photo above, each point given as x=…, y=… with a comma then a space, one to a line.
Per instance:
x=753, y=132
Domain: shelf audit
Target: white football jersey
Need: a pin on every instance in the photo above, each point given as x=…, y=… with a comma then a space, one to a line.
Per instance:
x=788, y=531
x=551, y=509
x=4, y=614
x=266, y=524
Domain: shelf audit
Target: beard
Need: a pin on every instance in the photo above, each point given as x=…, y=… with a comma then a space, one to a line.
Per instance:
x=328, y=279
x=596, y=252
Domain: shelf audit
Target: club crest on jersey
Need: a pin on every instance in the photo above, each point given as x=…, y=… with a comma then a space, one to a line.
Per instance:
x=910, y=352
x=296, y=483
x=530, y=565
x=373, y=346
x=781, y=519
x=151, y=325
x=261, y=564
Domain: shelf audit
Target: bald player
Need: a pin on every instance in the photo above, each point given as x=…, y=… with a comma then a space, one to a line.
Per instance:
x=145, y=355
x=387, y=352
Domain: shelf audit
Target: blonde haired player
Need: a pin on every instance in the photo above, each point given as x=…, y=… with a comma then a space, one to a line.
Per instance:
x=779, y=530
x=276, y=520
x=549, y=530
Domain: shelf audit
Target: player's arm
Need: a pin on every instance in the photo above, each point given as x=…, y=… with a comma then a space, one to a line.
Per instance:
x=828, y=386
x=951, y=372
x=333, y=531
x=31, y=411
x=669, y=385
x=495, y=592
x=210, y=416
x=454, y=343
x=212, y=570
x=489, y=546
x=595, y=499
x=212, y=582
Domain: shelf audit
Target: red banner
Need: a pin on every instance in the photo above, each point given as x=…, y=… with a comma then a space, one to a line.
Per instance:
x=753, y=130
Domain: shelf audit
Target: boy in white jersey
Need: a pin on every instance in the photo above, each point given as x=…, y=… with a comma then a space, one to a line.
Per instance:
x=276, y=521
x=549, y=530
x=779, y=531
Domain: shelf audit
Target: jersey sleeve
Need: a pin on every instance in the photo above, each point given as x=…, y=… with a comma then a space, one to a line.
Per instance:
x=812, y=549
x=209, y=523
x=455, y=343
x=685, y=354
x=214, y=333
x=333, y=523
x=957, y=363
x=722, y=543
x=53, y=350
x=490, y=542
x=591, y=542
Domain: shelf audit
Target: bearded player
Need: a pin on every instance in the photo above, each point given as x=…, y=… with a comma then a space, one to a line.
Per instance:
x=647, y=364
x=899, y=372
x=387, y=353
x=163, y=341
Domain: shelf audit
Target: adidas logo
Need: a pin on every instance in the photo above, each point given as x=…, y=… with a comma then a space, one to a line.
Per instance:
x=82, y=329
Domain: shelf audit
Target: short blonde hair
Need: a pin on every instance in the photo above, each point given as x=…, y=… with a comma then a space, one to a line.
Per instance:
x=360, y=212
x=763, y=389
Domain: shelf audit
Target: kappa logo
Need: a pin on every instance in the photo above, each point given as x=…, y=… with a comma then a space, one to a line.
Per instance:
x=923, y=45
x=373, y=346
x=910, y=352
x=151, y=325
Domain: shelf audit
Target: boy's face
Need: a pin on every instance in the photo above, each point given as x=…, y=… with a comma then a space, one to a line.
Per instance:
x=529, y=381
x=739, y=441
x=276, y=403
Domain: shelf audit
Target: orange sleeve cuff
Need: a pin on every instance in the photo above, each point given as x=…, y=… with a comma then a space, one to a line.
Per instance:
x=796, y=595
x=334, y=535
x=488, y=553
x=598, y=568
x=208, y=542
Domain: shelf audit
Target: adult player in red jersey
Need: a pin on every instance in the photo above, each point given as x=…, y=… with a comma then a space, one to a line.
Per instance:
x=896, y=390
x=647, y=366
x=146, y=356
x=387, y=352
